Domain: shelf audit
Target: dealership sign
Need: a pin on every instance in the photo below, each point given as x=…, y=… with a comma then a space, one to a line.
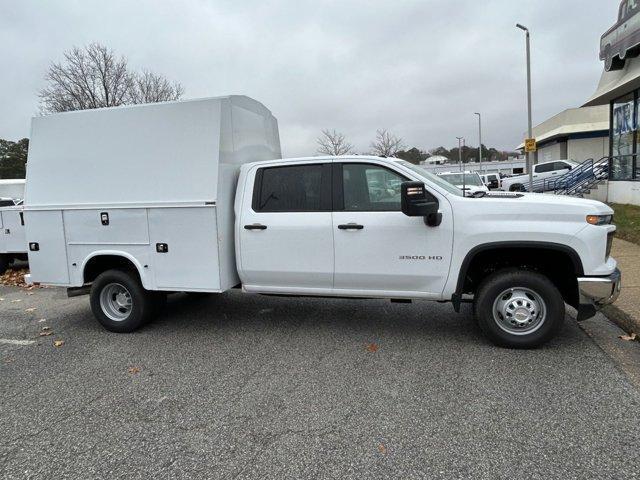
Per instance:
x=623, y=120
x=622, y=41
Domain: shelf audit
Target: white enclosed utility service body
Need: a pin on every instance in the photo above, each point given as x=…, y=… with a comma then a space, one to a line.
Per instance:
x=152, y=184
x=134, y=202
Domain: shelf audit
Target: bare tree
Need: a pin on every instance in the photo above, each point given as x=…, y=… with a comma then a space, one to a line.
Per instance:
x=149, y=88
x=386, y=144
x=93, y=77
x=333, y=143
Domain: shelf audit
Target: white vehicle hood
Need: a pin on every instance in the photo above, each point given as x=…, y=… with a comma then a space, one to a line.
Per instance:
x=540, y=203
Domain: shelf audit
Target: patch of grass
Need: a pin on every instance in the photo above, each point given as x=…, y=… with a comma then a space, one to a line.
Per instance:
x=627, y=219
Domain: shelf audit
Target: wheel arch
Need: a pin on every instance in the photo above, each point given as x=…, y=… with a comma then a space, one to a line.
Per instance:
x=519, y=250
x=102, y=260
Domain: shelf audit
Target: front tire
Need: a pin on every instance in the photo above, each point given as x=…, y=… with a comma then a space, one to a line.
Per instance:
x=519, y=309
x=119, y=302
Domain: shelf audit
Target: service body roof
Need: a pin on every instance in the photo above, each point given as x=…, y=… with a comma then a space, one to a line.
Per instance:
x=162, y=153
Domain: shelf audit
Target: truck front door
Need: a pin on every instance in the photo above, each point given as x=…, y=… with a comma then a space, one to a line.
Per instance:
x=377, y=247
x=285, y=229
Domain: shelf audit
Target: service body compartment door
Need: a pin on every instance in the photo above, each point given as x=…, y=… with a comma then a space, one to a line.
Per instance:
x=190, y=262
x=286, y=241
x=47, y=264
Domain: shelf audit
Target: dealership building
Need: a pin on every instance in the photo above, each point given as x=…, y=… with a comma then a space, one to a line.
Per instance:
x=608, y=124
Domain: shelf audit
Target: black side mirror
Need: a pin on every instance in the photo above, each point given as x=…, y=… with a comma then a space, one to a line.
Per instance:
x=417, y=202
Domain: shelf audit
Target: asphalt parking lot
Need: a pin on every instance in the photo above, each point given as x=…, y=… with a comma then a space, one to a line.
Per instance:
x=241, y=386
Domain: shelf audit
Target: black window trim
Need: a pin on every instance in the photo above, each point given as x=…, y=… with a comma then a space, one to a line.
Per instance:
x=338, y=185
x=325, y=187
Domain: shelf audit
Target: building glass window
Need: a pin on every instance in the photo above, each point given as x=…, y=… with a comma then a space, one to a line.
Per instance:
x=624, y=126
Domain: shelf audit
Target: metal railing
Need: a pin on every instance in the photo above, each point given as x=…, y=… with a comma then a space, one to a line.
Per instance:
x=576, y=181
x=582, y=178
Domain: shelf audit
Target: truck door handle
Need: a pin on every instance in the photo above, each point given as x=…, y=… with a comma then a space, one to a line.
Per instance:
x=350, y=226
x=255, y=226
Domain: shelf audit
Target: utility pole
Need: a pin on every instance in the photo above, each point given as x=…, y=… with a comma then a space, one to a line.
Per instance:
x=460, y=140
x=530, y=131
x=480, y=140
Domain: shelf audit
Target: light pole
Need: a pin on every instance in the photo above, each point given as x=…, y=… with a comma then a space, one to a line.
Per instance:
x=480, y=140
x=529, y=160
x=460, y=140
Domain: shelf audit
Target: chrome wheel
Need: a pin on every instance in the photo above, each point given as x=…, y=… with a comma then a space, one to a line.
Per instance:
x=116, y=302
x=519, y=311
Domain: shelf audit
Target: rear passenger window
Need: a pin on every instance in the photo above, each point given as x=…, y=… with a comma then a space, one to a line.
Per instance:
x=288, y=189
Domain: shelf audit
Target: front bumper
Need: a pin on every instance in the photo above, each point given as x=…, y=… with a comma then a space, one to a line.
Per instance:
x=596, y=292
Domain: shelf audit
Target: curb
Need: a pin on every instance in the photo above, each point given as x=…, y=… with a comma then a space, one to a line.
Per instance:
x=625, y=321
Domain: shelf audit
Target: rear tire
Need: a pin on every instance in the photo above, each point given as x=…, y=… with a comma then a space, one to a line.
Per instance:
x=518, y=187
x=119, y=302
x=519, y=309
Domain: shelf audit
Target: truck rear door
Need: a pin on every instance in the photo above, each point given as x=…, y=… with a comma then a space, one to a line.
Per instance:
x=285, y=229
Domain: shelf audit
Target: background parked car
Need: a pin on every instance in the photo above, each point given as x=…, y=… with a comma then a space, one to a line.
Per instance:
x=469, y=182
x=491, y=180
x=542, y=171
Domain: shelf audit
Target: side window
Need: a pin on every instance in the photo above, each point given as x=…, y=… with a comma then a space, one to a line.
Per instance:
x=623, y=11
x=632, y=7
x=368, y=187
x=288, y=189
x=560, y=166
x=545, y=167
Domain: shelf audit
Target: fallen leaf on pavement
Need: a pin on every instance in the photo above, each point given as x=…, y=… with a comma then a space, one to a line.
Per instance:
x=372, y=347
x=42, y=320
x=29, y=310
x=382, y=449
x=16, y=300
x=629, y=338
x=134, y=370
x=58, y=343
x=14, y=278
x=45, y=333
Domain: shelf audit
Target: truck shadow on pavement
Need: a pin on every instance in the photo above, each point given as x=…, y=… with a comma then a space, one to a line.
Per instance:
x=368, y=319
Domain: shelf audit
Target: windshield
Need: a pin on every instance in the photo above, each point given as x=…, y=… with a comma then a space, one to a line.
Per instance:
x=432, y=178
x=456, y=179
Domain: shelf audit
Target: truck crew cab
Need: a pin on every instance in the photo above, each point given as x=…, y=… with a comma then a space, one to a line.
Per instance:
x=202, y=202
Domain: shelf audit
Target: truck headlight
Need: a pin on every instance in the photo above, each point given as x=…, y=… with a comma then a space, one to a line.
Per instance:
x=599, y=219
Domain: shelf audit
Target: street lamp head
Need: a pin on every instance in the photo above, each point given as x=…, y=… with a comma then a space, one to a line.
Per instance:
x=522, y=27
x=476, y=113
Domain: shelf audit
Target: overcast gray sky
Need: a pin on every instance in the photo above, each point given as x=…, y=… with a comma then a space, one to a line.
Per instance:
x=418, y=68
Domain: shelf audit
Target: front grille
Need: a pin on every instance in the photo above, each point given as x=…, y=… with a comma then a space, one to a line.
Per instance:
x=609, y=243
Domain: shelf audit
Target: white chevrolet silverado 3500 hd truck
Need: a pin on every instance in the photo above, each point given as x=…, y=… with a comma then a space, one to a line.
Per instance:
x=130, y=203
